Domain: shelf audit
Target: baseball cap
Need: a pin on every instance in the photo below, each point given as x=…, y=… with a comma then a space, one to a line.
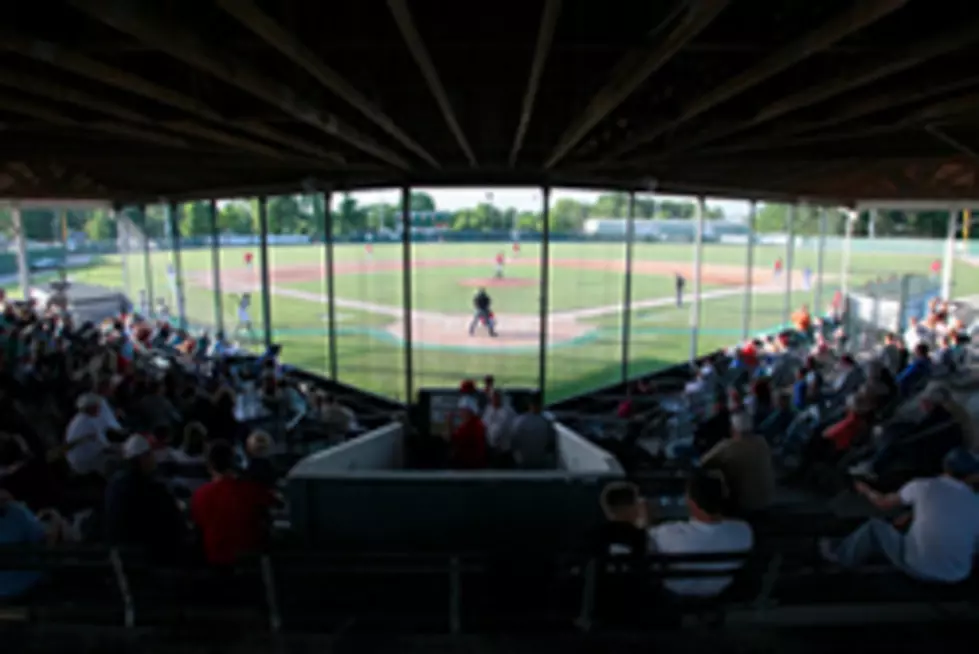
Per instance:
x=468, y=404
x=86, y=400
x=135, y=446
x=961, y=462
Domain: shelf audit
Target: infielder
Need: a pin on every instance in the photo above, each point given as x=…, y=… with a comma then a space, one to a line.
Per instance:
x=680, y=282
x=499, y=265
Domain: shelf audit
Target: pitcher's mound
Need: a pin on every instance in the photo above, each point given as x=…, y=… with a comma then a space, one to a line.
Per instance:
x=496, y=282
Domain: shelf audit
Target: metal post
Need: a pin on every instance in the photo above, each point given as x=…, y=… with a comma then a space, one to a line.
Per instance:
x=630, y=237
x=872, y=223
x=20, y=241
x=845, y=259
x=216, y=267
x=331, y=315
x=147, y=262
x=406, y=289
x=789, y=255
x=174, y=222
x=749, y=272
x=545, y=257
x=263, y=253
x=122, y=243
x=817, y=296
x=948, y=261
x=698, y=255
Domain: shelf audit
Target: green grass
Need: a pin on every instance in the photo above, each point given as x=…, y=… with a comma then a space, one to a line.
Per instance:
x=371, y=358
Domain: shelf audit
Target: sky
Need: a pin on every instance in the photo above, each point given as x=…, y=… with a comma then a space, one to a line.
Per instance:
x=523, y=199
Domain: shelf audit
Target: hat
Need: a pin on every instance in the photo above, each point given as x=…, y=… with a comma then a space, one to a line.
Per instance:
x=468, y=404
x=960, y=462
x=135, y=446
x=86, y=400
x=938, y=393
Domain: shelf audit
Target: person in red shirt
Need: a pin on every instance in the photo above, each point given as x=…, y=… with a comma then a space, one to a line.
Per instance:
x=778, y=267
x=499, y=265
x=232, y=514
x=467, y=442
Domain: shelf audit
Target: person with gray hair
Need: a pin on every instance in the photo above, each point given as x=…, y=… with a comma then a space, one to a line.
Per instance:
x=745, y=460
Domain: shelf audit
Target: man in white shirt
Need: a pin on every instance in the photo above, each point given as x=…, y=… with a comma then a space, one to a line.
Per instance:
x=706, y=531
x=498, y=420
x=944, y=534
x=88, y=450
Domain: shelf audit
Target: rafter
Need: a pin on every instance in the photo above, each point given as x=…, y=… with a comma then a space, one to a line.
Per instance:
x=857, y=16
x=83, y=66
x=952, y=142
x=847, y=81
x=171, y=38
x=416, y=45
x=634, y=69
x=548, y=24
x=252, y=17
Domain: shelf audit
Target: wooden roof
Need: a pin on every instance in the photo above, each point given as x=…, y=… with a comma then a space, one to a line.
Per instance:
x=836, y=99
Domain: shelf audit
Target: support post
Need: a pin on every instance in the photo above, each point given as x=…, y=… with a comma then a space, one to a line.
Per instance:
x=178, y=273
x=147, y=264
x=406, y=290
x=872, y=223
x=948, y=261
x=851, y=217
x=122, y=243
x=545, y=257
x=62, y=234
x=20, y=242
x=698, y=253
x=630, y=238
x=263, y=253
x=749, y=272
x=817, y=295
x=212, y=212
x=331, y=314
x=789, y=255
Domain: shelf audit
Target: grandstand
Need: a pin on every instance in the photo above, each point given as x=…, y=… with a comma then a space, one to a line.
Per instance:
x=266, y=404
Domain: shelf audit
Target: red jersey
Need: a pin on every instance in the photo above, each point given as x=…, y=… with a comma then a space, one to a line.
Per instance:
x=232, y=516
x=469, y=445
x=499, y=259
x=778, y=264
x=936, y=266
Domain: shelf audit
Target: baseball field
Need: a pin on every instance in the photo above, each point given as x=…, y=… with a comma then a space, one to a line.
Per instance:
x=585, y=301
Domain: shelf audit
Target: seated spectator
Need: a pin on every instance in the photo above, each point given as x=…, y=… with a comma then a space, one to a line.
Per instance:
x=258, y=467
x=892, y=354
x=802, y=321
x=915, y=335
x=232, y=514
x=467, y=441
x=759, y=401
x=155, y=408
x=800, y=390
x=708, y=530
x=533, y=439
x=498, y=419
x=921, y=444
x=337, y=418
x=850, y=378
x=714, y=429
x=139, y=510
x=87, y=447
x=944, y=357
x=943, y=396
x=916, y=372
x=188, y=459
x=19, y=526
x=943, y=537
x=745, y=459
x=777, y=423
x=838, y=437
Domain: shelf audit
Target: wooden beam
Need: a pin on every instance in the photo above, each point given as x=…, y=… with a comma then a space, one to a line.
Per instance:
x=83, y=66
x=545, y=35
x=139, y=21
x=416, y=45
x=632, y=71
x=858, y=15
x=954, y=143
x=847, y=81
x=252, y=17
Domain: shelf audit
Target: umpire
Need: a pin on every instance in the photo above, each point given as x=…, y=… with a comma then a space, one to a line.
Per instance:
x=680, y=282
x=481, y=310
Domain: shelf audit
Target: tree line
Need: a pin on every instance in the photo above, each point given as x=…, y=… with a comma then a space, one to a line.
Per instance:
x=304, y=214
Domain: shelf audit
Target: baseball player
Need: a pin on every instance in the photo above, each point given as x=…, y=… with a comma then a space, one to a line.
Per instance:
x=807, y=278
x=369, y=246
x=162, y=310
x=244, y=317
x=499, y=265
x=778, y=267
x=679, y=282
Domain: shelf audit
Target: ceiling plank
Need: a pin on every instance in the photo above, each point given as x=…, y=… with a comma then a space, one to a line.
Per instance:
x=252, y=17
x=849, y=80
x=634, y=69
x=171, y=38
x=82, y=66
x=858, y=15
x=545, y=35
x=952, y=142
x=416, y=45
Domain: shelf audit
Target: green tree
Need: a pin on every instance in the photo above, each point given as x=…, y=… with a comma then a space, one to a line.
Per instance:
x=234, y=218
x=349, y=218
x=196, y=220
x=421, y=201
x=100, y=227
x=285, y=216
x=568, y=215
